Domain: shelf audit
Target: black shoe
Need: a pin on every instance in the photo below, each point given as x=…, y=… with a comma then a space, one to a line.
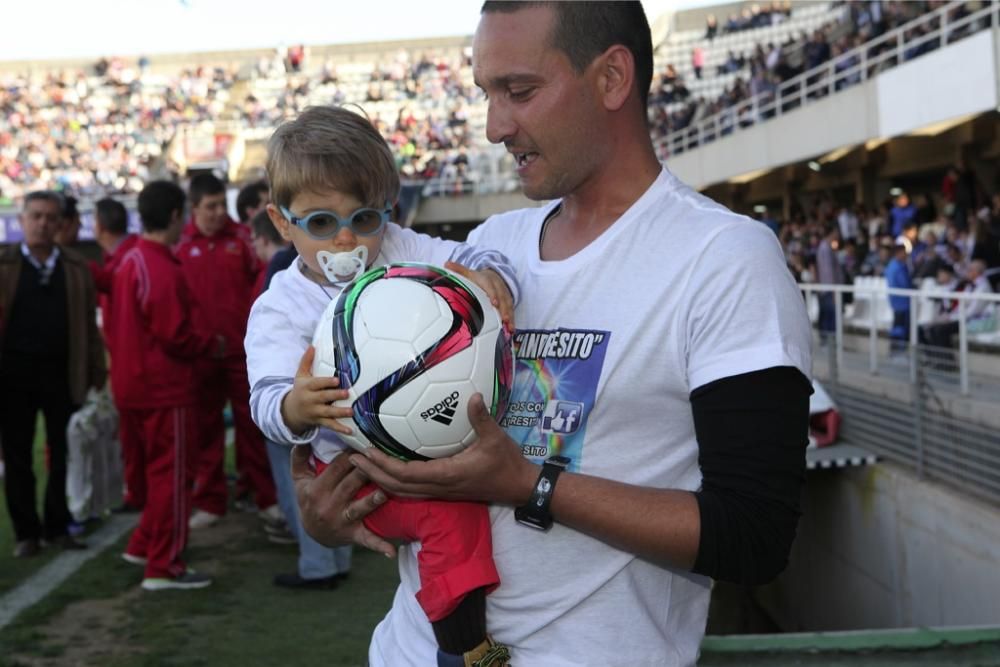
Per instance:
x=125, y=508
x=295, y=581
x=64, y=542
x=342, y=576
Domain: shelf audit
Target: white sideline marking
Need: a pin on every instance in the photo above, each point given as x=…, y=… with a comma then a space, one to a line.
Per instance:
x=43, y=582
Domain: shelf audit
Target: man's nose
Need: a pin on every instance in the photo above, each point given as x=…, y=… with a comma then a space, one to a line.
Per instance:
x=500, y=124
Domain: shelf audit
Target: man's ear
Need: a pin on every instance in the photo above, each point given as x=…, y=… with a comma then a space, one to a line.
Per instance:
x=616, y=76
x=280, y=223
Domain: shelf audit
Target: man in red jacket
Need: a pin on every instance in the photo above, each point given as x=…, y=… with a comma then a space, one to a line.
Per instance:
x=221, y=269
x=111, y=234
x=153, y=377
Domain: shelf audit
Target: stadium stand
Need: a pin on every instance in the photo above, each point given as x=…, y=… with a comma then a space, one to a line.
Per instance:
x=108, y=129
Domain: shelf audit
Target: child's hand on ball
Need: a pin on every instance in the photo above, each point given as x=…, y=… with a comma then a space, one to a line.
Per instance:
x=310, y=402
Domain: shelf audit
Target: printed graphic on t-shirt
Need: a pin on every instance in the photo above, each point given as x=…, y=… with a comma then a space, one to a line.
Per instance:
x=555, y=382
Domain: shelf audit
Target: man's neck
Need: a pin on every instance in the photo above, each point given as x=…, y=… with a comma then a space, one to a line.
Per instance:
x=595, y=206
x=41, y=253
x=110, y=243
x=610, y=192
x=160, y=237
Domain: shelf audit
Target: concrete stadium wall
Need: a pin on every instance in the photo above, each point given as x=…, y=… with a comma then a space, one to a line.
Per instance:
x=879, y=548
x=948, y=83
x=469, y=208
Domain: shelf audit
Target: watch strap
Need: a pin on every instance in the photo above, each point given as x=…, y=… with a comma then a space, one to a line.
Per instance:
x=536, y=513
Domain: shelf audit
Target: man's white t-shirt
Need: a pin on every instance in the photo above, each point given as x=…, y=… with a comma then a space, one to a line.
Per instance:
x=678, y=293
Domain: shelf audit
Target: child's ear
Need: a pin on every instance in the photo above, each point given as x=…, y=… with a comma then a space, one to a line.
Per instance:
x=279, y=222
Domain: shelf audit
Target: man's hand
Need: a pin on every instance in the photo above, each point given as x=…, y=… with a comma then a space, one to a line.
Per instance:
x=491, y=469
x=330, y=514
x=308, y=404
x=495, y=287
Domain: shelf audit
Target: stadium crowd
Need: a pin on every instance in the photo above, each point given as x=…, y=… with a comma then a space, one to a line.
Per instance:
x=947, y=240
x=98, y=132
x=106, y=130
x=768, y=65
x=424, y=119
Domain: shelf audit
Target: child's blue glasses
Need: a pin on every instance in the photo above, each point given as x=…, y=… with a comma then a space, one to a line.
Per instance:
x=325, y=224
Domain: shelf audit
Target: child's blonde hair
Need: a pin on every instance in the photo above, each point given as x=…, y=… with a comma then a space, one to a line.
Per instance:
x=331, y=148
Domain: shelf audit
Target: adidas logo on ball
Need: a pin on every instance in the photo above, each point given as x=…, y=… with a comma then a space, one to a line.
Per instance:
x=442, y=412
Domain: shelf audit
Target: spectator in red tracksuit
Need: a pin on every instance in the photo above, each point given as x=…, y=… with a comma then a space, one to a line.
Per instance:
x=153, y=377
x=221, y=268
x=111, y=234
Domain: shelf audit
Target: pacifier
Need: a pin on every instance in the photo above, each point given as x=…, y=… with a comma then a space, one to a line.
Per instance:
x=343, y=267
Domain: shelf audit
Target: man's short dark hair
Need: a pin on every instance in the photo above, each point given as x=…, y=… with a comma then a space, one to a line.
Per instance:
x=262, y=226
x=157, y=203
x=204, y=185
x=44, y=195
x=112, y=216
x=249, y=197
x=69, y=209
x=584, y=30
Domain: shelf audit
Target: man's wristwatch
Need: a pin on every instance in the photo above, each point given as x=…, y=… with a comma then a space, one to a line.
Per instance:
x=536, y=512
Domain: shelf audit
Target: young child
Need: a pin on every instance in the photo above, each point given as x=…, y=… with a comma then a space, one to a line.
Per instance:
x=333, y=183
x=154, y=347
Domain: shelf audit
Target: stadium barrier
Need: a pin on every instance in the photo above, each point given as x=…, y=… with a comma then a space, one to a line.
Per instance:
x=871, y=314
x=922, y=408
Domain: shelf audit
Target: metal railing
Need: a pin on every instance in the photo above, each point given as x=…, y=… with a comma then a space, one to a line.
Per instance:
x=445, y=186
x=916, y=297
x=920, y=431
x=890, y=49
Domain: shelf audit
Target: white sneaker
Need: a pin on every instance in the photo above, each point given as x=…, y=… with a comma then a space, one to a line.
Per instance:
x=279, y=536
x=272, y=515
x=189, y=580
x=133, y=559
x=202, y=519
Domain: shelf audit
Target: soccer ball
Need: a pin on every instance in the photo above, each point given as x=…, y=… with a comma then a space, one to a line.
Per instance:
x=413, y=343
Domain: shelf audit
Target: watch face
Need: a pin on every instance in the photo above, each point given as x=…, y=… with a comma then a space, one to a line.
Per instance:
x=561, y=461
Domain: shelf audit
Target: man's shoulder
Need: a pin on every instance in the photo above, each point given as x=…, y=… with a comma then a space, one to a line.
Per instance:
x=705, y=220
x=510, y=224
x=10, y=253
x=127, y=244
x=71, y=256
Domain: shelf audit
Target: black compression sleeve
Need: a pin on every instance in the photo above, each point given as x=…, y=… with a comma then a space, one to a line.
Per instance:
x=752, y=431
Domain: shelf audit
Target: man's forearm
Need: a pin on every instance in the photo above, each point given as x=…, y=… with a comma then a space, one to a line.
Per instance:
x=659, y=525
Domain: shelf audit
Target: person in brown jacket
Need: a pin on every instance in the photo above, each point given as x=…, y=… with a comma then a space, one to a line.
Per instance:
x=50, y=355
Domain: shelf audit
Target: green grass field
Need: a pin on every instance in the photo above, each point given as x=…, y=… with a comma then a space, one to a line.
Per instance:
x=100, y=616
